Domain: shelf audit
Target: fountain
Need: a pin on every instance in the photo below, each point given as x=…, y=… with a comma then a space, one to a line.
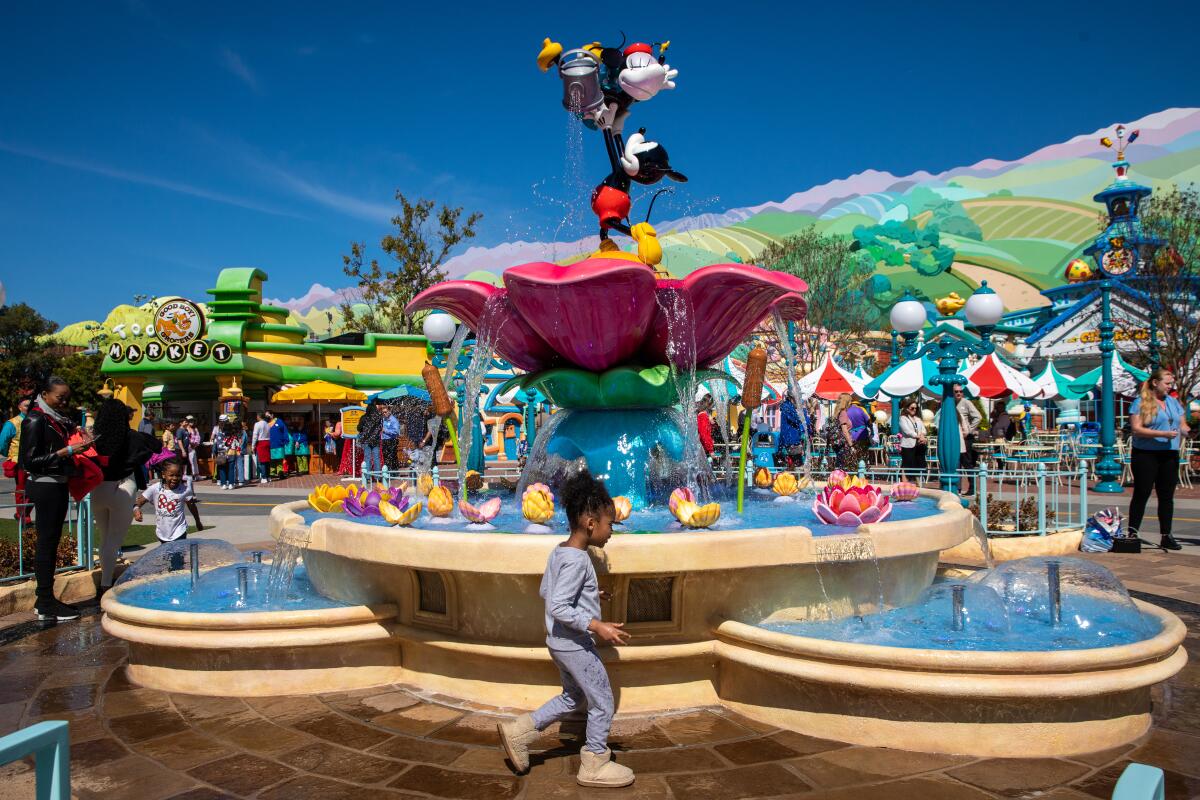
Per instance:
x=822, y=619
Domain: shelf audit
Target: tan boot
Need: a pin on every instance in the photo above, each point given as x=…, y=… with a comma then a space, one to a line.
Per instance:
x=598, y=769
x=516, y=736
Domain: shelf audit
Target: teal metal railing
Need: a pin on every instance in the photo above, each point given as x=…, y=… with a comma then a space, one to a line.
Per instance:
x=79, y=524
x=48, y=743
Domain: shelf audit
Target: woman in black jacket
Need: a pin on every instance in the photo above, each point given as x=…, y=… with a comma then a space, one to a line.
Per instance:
x=50, y=462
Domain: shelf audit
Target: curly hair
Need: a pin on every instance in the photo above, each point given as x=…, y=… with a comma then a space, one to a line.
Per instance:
x=583, y=494
x=112, y=429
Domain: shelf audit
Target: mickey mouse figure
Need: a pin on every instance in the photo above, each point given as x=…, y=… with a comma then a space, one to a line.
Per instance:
x=601, y=84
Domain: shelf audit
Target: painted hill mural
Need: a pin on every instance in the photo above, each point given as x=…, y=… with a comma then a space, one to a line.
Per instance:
x=1014, y=223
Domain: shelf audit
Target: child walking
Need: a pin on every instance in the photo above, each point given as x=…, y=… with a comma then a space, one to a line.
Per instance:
x=572, y=595
x=169, y=496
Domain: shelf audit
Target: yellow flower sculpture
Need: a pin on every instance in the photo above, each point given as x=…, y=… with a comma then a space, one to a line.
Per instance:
x=537, y=503
x=441, y=502
x=399, y=516
x=691, y=515
x=762, y=478
x=785, y=484
x=328, y=498
x=623, y=507
x=424, y=484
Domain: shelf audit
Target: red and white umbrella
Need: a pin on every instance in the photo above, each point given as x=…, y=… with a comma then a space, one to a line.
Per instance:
x=991, y=377
x=829, y=380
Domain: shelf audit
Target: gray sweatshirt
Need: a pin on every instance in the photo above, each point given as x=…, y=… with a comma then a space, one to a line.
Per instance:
x=572, y=596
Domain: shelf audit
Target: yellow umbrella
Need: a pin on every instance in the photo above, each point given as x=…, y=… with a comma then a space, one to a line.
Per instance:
x=319, y=392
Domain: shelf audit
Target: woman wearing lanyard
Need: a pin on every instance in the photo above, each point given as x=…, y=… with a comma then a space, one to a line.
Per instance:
x=50, y=462
x=1158, y=428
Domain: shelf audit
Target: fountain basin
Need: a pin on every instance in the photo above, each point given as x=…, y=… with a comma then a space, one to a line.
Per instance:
x=978, y=703
x=255, y=654
x=470, y=621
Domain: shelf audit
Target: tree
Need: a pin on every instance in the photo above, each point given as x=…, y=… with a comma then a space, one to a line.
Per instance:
x=1171, y=283
x=82, y=374
x=417, y=255
x=837, y=272
x=27, y=358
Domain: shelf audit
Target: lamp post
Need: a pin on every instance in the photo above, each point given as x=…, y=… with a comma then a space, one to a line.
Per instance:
x=983, y=310
x=439, y=329
x=1108, y=469
x=1153, y=348
x=891, y=364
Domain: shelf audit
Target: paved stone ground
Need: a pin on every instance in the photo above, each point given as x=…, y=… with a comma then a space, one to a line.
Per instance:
x=388, y=742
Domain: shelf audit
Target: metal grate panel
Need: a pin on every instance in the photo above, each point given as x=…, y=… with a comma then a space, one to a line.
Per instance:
x=650, y=599
x=432, y=591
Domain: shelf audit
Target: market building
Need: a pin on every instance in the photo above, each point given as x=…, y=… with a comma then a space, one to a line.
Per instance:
x=238, y=346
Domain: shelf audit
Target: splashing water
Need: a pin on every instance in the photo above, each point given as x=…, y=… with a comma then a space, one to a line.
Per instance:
x=789, y=357
x=490, y=325
x=681, y=348
x=289, y=550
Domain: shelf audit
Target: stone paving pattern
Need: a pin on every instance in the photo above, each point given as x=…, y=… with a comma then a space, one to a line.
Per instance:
x=388, y=742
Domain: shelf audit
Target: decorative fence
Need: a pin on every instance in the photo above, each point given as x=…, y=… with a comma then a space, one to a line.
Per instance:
x=78, y=526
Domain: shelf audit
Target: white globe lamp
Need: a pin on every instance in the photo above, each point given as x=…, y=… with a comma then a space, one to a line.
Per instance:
x=984, y=308
x=438, y=327
x=908, y=315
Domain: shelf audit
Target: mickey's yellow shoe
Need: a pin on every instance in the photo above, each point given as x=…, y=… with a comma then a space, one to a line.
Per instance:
x=550, y=53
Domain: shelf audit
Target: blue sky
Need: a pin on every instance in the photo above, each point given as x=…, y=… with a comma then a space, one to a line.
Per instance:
x=143, y=146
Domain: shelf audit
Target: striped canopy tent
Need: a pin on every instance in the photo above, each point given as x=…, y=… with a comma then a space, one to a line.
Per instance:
x=1126, y=378
x=906, y=378
x=991, y=377
x=1055, y=385
x=829, y=380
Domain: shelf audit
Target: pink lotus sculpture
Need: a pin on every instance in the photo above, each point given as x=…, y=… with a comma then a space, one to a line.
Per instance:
x=365, y=503
x=858, y=505
x=602, y=312
x=482, y=514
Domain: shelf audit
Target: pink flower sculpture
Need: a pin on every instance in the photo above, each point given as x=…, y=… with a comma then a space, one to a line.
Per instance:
x=366, y=503
x=858, y=505
x=602, y=312
x=483, y=513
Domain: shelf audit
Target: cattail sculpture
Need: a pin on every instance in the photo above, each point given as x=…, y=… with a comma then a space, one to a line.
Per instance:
x=444, y=409
x=756, y=369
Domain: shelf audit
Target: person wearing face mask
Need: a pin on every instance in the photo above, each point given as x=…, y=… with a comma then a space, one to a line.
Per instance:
x=50, y=462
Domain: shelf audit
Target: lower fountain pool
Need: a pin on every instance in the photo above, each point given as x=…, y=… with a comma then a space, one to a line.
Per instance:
x=218, y=591
x=1009, y=608
x=762, y=510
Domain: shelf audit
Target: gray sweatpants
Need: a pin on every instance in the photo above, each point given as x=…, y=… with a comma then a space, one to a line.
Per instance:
x=585, y=683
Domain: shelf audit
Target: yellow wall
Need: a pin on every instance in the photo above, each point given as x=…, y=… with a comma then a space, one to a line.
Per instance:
x=389, y=358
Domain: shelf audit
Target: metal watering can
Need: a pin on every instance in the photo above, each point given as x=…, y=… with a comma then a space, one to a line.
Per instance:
x=580, y=73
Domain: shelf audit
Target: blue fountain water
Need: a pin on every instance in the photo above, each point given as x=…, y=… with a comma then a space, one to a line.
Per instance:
x=761, y=511
x=217, y=591
x=1004, y=609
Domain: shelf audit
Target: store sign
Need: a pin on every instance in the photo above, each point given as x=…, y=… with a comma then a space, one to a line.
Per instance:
x=154, y=351
x=350, y=419
x=178, y=322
